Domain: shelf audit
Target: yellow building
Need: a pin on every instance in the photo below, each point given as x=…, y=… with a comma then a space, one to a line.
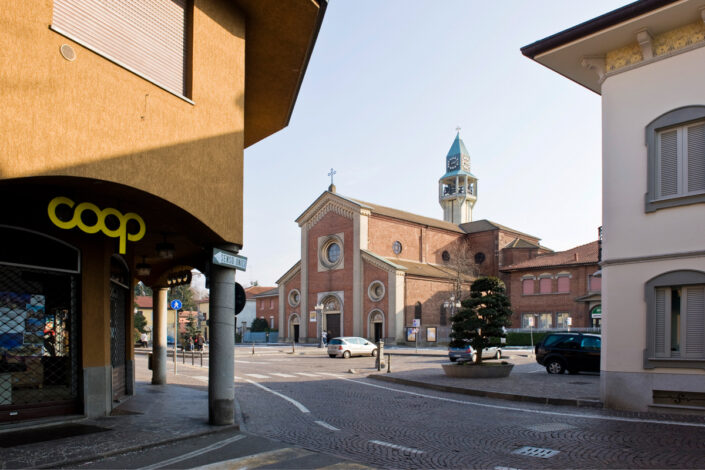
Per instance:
x=122, y=136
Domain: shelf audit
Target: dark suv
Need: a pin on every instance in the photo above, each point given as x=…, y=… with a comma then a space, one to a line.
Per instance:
x=573, y=352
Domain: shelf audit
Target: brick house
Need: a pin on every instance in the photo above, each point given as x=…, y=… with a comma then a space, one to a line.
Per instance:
x=267, y=306
x=371, y=271
x=554, y=287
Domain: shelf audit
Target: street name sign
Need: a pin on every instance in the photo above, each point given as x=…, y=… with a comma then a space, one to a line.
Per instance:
x=228, y=259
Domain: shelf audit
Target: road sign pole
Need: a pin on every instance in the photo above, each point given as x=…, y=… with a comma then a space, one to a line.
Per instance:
x=176, y=335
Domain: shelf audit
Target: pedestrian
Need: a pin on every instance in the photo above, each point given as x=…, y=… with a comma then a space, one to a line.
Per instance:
x=201, y=341
x=143, y=340
x=325, y=338
x=190, y=343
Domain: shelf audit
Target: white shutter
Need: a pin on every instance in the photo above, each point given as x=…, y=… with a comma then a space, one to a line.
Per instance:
x=145, y=36
x=695, y=323
x=660, y=323
x=668, y=163
x=696, y=158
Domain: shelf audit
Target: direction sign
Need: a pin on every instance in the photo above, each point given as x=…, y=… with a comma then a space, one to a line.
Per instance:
x=231, y=260
x=175, y=304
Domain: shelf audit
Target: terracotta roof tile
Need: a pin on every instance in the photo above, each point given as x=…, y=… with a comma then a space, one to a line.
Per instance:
x=426, y=269
x=143, y=301
x=583, y=254
x=252, y=291
x=273, y=291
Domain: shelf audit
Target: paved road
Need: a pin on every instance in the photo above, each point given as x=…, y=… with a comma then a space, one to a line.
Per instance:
x=317, y=403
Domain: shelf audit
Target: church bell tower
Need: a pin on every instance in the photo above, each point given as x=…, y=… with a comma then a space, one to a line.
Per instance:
x=457, y=189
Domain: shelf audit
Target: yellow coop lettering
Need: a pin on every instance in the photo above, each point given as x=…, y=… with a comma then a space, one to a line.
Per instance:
x=120, y=232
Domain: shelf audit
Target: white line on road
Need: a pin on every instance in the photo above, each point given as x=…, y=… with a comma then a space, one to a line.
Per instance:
x=306, y=374
x=195, y=453
x=326, y=425
x=301, y=407
x=279, y=374
x=257, y=376
x=401, y=448
x=250, y=362
x=338, y=376
x=540, y=412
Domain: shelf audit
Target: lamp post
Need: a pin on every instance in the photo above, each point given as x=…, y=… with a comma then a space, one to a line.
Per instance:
x=319, y=316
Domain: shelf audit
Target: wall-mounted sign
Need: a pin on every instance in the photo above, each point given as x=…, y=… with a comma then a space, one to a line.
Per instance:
x=312, y=316
x=431, y=334
x=596, y=312
x=100, y=215
x=231, y=260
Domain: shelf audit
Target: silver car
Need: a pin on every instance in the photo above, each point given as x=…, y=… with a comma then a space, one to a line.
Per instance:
x=346, y=346
x=468, y=353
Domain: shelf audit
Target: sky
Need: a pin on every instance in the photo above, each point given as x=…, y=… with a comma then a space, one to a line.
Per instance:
x=386, y=86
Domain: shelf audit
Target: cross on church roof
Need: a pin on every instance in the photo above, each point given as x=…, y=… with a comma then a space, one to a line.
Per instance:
x=457, y=129
x=331, y=174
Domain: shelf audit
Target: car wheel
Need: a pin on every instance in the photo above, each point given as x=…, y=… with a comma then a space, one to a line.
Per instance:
x=374, y=353
x=453, y=359
x=346, y=355
x=498, y=354
x=555, y=366
x=331, y=355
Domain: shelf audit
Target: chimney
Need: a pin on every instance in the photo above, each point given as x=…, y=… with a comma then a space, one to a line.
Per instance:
x=575, y=256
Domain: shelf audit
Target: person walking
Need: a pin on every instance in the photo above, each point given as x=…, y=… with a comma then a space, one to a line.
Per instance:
x=325, y=338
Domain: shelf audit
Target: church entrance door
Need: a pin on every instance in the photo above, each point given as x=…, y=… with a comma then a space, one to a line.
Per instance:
x=296, y=333
x=378, y=331
x=333, y=325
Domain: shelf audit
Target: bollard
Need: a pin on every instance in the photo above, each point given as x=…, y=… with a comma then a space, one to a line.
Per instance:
x=380, y=355
x=192, y=359
x=183, y=356
x=201, y=357
x=293, y=347
x=389, y=363
x=253, y=348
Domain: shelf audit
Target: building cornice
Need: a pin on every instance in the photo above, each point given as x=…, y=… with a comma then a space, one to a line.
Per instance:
x=329, y=202
x=293, y=271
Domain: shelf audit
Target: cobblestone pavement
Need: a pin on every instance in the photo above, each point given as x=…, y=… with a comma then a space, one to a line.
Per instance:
x=396, y=426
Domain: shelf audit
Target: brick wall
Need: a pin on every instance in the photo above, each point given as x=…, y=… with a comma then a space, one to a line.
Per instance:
x=373, y=273
x=293, y=283
x=268, y=307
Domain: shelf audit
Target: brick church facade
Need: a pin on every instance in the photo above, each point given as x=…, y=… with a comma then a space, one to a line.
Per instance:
x=371, y=271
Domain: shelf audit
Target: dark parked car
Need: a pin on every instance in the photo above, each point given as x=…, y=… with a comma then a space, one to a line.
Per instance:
x=573, y=352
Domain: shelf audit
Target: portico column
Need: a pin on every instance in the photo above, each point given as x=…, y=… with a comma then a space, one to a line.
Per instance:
x=221, y=373
x=159, y=301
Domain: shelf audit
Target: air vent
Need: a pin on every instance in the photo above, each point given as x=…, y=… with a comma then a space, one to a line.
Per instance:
x=68, y=53
x=536, y=452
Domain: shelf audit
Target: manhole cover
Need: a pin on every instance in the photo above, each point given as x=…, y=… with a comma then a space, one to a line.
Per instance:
x=536, y=452
x=550, y=427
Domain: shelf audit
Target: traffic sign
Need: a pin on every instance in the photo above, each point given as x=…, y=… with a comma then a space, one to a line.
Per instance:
x=240, y=298
x=176, y=304
x=231, y=260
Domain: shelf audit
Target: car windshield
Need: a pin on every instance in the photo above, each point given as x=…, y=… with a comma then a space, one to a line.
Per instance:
x=336, y=341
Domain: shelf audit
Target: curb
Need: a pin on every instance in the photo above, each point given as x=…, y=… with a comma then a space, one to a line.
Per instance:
x=489, y=394
x=137, y=448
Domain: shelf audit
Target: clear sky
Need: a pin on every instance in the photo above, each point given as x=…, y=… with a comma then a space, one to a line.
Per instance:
x=387, y=84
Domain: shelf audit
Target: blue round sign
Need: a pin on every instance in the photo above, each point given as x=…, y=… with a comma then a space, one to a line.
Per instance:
x=175, y=304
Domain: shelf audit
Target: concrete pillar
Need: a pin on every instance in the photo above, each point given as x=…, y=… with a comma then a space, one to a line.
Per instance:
x=159, y=301
x=221, y=373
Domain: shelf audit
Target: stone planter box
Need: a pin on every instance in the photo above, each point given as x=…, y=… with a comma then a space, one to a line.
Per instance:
x=472, y=371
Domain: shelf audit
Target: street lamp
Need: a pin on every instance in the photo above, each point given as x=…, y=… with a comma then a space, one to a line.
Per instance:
x=319, y=315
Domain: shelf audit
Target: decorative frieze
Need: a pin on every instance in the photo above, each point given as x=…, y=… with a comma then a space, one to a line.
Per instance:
x=329, y=206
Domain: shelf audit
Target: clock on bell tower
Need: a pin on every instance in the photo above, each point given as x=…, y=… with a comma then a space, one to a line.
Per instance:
x=457, y=189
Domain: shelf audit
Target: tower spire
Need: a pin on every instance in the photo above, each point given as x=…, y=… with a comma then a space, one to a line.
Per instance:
x=457, y=188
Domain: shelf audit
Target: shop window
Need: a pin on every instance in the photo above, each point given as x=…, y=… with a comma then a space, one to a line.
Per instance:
x=675, y=305
x=149, y=38
x=562, y=320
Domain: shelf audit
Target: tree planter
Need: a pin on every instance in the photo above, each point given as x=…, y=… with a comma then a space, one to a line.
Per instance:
x=474, y=371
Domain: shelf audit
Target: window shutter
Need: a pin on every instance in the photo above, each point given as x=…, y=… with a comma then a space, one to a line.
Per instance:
x=695, y=323
x=145, y=36
x=696, y=158
x=668, y=163
x=545, y=285
x=595, y=284
x=527, y=286
x=564, y=284
x=660, y=323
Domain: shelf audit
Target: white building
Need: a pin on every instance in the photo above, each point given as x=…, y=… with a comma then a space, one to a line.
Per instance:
x=647, y=61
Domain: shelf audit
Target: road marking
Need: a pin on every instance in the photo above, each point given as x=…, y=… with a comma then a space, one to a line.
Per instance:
x=203, y=378
x=301, y=407
x=306, y=374
x=250, y=362
x=259, y=460
x=326, y=425
x=401, y=448
x=258, y=376
x=539, y=412
x=195, y=453
x=279, y=374
x=338, y=376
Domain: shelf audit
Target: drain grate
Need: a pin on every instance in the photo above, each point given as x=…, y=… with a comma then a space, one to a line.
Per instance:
x=550, y=427
x=536, y=452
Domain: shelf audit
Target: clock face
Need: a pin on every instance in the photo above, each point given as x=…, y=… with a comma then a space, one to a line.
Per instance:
x=453, y=163
x=466, y=164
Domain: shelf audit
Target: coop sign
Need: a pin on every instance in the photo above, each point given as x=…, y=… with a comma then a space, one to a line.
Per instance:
x=119, y=232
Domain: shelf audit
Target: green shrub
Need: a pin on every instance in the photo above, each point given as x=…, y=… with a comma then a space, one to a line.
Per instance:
x=524, y=339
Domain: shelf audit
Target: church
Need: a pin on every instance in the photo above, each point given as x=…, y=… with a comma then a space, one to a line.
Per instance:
x=381, y=273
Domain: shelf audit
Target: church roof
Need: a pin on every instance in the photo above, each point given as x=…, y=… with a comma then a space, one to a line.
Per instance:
x=457, y=147
x=521, y=243
x=485, y=225
x=253, y=291
x=269, y=292
x=414, y=268
x=583, y=254
x=408, y=216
